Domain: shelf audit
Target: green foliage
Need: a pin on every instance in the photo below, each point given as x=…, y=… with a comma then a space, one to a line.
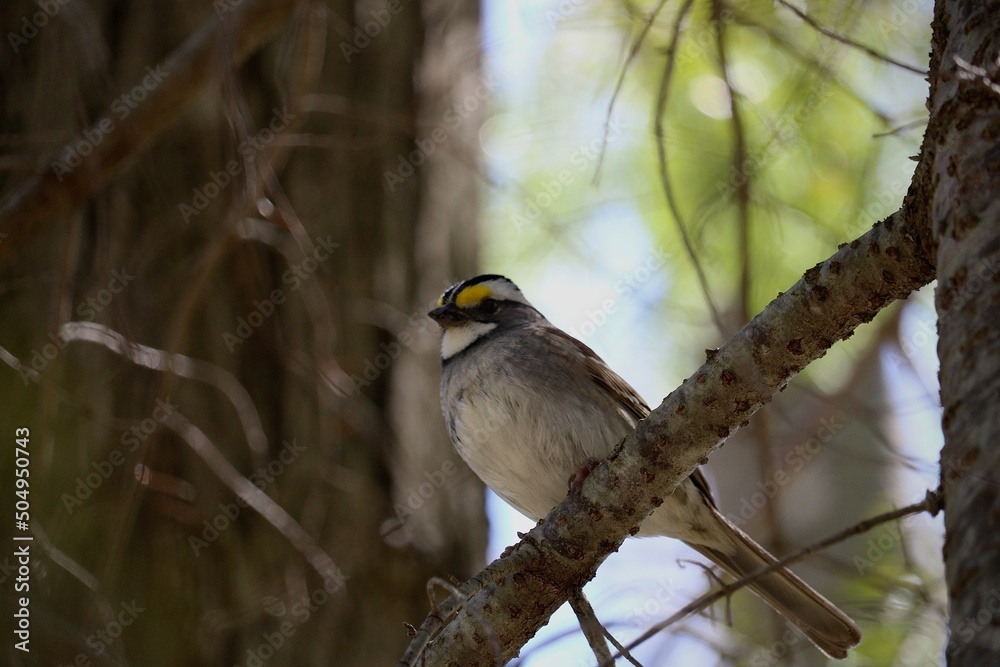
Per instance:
x=809, y=108
x=824, y=131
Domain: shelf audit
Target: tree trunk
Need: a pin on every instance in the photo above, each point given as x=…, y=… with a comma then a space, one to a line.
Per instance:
x=966, y=219
x=315, y=305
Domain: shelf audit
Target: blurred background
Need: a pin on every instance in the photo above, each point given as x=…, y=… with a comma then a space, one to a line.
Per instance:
x=225, y=224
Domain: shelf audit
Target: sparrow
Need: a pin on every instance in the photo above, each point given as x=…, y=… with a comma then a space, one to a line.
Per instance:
x=527, y=406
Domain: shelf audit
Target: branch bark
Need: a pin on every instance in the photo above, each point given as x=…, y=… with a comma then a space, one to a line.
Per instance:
x=516, y=594
x=965, y=135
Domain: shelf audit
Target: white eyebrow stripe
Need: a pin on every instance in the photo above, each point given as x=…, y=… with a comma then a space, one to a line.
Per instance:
x=505, y=290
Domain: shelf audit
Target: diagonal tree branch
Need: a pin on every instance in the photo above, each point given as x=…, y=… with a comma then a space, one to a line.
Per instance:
x=516, y=595
x=182, y=77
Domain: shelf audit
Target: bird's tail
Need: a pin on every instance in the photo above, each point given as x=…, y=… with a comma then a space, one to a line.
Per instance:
x=823, y=623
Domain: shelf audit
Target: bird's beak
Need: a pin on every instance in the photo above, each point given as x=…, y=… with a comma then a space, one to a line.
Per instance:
x=447, y=316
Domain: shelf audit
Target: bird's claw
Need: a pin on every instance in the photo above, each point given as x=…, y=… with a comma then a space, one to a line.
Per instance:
x=577, y=479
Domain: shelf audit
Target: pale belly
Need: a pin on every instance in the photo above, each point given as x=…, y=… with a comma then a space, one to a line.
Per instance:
x=527, y=456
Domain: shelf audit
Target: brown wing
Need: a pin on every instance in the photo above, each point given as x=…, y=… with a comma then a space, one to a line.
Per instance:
x=624, y=394
x=607, y=379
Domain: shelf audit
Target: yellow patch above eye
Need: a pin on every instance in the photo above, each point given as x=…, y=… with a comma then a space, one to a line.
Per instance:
x=472, y=296
x=441, y=300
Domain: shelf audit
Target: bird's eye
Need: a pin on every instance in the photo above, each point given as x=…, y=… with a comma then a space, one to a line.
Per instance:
x=489, y=306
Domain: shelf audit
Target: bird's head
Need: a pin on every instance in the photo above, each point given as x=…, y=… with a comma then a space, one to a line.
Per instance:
x=473, y=308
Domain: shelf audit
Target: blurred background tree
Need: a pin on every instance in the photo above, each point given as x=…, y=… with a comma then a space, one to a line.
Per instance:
x=257, y=236
x=358, y=132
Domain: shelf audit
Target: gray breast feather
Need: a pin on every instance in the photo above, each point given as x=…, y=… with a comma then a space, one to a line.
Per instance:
x=525, y=420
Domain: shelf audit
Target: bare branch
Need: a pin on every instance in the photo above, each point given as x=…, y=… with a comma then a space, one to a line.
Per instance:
x=67, y=563
x=181, y=365
x=864, y=48
x=273, y=513
x=661, y=152
x=516, y=594
x=931, y=504
x=906, y=127
x=822, y=66
x=744, y=286
x=592, y=628
x=621, y=80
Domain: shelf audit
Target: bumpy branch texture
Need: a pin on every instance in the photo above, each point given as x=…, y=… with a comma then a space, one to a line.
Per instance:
x=510, y=600
x=965, y=135
x=177, y=82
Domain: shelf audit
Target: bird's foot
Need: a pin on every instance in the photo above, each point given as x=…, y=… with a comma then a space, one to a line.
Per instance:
x=577, y=479
x=524, y=536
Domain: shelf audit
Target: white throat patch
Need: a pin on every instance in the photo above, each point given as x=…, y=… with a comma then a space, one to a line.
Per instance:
x=456, y=339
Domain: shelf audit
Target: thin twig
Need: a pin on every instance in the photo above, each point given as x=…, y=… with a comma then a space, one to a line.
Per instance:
x=661, y=151
x=901, y=129
x=263, y=504
x=592, y=628
x=181, y=365
x=848, y=41
x=66, y=562
x=739, y=160
x=932, y=503
x=621, y=81
x=75, y=570
x=622, y=651
x=823, y=69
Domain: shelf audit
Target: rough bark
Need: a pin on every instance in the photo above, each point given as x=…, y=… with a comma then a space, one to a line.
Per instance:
x=965, y=132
